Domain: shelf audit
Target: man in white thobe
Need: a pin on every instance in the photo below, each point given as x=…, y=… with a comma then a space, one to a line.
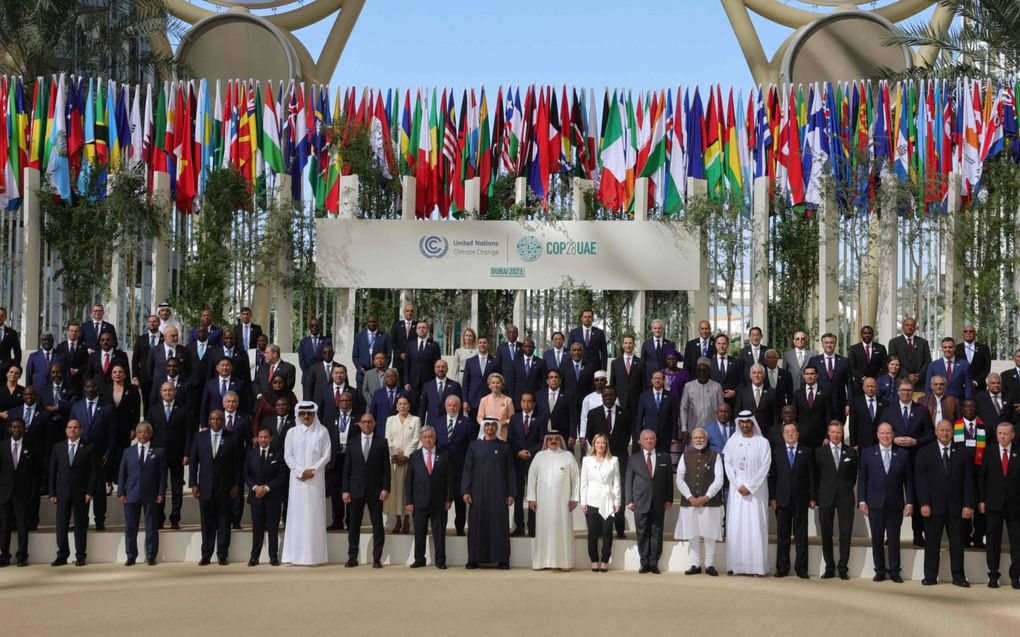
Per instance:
x=699, y=477
x=306, y=452
x=747, y=458
x=554, y=488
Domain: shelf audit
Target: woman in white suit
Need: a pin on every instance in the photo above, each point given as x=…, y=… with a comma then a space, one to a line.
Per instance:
x=403, y=433
x=600, y=500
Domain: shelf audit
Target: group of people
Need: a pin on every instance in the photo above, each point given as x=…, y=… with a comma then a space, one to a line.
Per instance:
x=411, y=438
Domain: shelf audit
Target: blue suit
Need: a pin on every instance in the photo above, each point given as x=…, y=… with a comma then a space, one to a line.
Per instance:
x=363, y=353
x=595, y=352
x=212, y=398
x=840, y=387
x=381, y=408
x=474, y=381
x=215, y=336
x=141, y=484
x=90, y=337
x=309, y=353
x=432, y=403
x=549, y=356
x=886, y=495
x=661, y=419
x=716, y=437
x=37, y=372
x=960, y=386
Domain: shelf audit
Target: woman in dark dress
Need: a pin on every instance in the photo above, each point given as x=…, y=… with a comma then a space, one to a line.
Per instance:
x=126, y=402
x=10, y=395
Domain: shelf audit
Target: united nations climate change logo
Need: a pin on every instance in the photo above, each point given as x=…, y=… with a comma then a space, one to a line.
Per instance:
x=529, y=248
x=433, y=246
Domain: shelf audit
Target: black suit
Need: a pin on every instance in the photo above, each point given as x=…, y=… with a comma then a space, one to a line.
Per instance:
x=400, y=336
x=78, y=360
x=840, y=387
x=792, y=489
x=628, y=387
x=155, y=364
x=595, y=351
x=662, y=419
x=531, y=380
x=10, y=349
x=693, y=351
x=433, y=404
x=653, y=360
x=174, y=438
x=316, y=377
x=17, y=492
x=95, y=365
x=140, y=361
x=237, y=356
x=430, y=493
x=265, y=512
x=913, y=360
x=216, y=477
x=254, y=331
x=577, y=386
x=989, y=414
x=861, y=366
x=364, y=479
x=419, y=367
x=562, y=416
x=765, y=412
x=530, y=441
x=728, y=378
x=946, y=487
x=783, y=387
x=813, y=417
x=70, y=484
x=864, y=426
x=1001, y=497
x=745, y=360
x=505, y=364
x=649, y=495
x=619, y=439
x=834, y=493
x=90, y=335
x=980, y=364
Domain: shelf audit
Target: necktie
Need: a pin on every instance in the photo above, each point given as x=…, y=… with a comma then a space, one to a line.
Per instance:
x=97, y=331
x=47, y=354
x=757, y=396
x=71, y=449
x=336, y=397
x=587, y=336
x=998, y=405
x=315, y=343
x=229, y=353
x=215, y=443
x=886, y=460
x=421, y=347
x=407, y=328
x=29, y=413
x=344, y=419
x=152, y=341
x=92, y=411
x=609, y=421
x=371, y=341
x=811, y=397
x=366, y=445
x=722, y=364
x=512, y=348
x=552, y=400
x=201, y=351
x=230, y=422
x=1005, y=462
x=800, y=358
x=56, y=394
x=449, y=427
x=949, y=370
x=871, y=408
x=704, y=347
x=648, y=462
x=910, y=344
x=754, y=354
x=789, y=454
x=577, y=371
x=428, y=461
x=829, y=364
x=279, y=424
x=559, y=355
x=527, y=423
x=867, y=352
x=391, y=399
x=71, y=347
x=527, y=366
x=166, y=412
x=658, y=399
x=15, y=456
x=169, y=353
x=223, y=387
x=945, y=459
x=772, y=378
x=141, y=455
x=835, y=456
x=626, y=360
x=440, y=388
x=272, y=371
x=106, y=362
x=245, y=339
x=264, y=456
x=658, y=349
x=970, y=352
x=906, y=417
x=970, y=430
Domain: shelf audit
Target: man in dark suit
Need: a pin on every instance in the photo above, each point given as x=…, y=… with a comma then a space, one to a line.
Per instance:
x=614, y=422
x=912, y=429
x=10, y=344
x=384, y=401
x=476, y=372
x=228, y=348
x=217, y=387
x=215, y=480
x=55, y=400
x=999, y=499
x=652, y=356
x=420, y=363
x=72, y=478
x=593, y=339
x=273, y=366
x=96, y=422
x=141, y=486
x=755, y=396
x=366, y=483
x=37, y=371
x=914, y=353
x=867, y=358
x=967, y=431
x=627, y=373
x=246, y=333
x=328, y=394
x=778, y=379
x=657, y=411
x=18, y=476
x=428, y=493
x=753, y=352
x=506, y=354
x=865, y=413
x=403, y=332
x=558, y=407
x=75, y=355
x=977, y=355
x=955, y=371
x=435, y=392
x=265, y=477
x=144, y=342
x=814, y=409
x=454, y=433
x=992, y=403
x=578, y=378
x=526, y=435
x=172, y=373
x=648, y=493
x=791, y=493
x=885, y=490
x=945, y=496
x=103, y=359
x=834, y=376
x=205, y=321
x=724, y=368
x=368, y=343
x=529, y=373
x=172, y=431
x=155, y=362
x=698, y=347
x=835, y=476
x=92, y=330
x=310, y=347
x=339, y=415
x=555, y=355
x=199, y=352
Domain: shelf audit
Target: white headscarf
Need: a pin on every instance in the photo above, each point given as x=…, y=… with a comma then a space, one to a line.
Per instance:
x=307, y=405
x=549, y=431
x=170, y=320
x=748, y=415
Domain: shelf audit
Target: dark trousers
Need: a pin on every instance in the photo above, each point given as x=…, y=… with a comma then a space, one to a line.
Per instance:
x=993, y=547
x=436, y=516
x=826, y=517
x=885, y=524
x=459, y=507
x=648, y=525
x=791, y=520
x=80, y=510
x=933, y=527
x=216, y=514
x=265, y=517
x=336, y=501
x=356, y=512
x=132, y=512
x=175, y=473
x=99, y=499
x=599, y=529
x=236, y=509
x=620, y=520
x=974, y=529
x=521, y=467
x=14, y=514
x=32, y=505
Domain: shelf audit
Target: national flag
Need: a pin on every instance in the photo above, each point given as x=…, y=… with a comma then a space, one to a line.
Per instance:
x=58, y=169
x=676, y=165
x=611, y=185
x=816, y=149
x=272, y=150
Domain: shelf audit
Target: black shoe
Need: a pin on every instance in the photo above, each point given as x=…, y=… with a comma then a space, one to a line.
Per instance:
x=928, y=582
x=100, y=526
x=4, y=563
x=694, y=570
x=471, y=566
x=503, y=566
x=803, y=576
x=418, y=564
x=896, y=578
x=441, y=567
x=1016, y=584
x=919, y=542
x=274, y=562
x=350, y=563
x=644, y=569
x=235, y=525
x=376, y=564
x=80, y=562
x=711, y=571
x=336, y=526
x=828, y=574
x=60, y=561
x=654, y=570
x=130, y=562
x=517, y=534
x=22, y=563
x=253, y=562
x=620, y=535
x=993, y=583
x=962, y=583
x=782, y=573
x=978, y=544
x=204, y=561
x=222, y=561
x=844, y=576
x=460, y=533
x=879, y=577
x=151, y=561
x=176, y=526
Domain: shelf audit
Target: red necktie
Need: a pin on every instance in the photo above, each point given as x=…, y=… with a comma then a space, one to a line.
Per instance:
x=106, y=363
x=627, y=360
x=949, y=371
x=811, y=397
x=910, y=344
x=272, y=370
x=1005, y=462
x=867, y=352
x=527, y=422
x=609, y=421
x=337, y=398
x=648, y=461
x=428, y=461
x=830, y=367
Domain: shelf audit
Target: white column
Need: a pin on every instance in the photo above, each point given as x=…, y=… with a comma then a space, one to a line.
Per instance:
x=161, y=247
x=344, y=323
x=638, y=310
x=888, y=286
x=952, y=319
x=473, y=195
x=521, y=190
x=641, y=199
x=284, y=336
x=409, y=194
x=581, y=187
x=828, y=267
x=640, y=297
x=474, y=310
x=518, y=311
x=113, y=303
x=759, y=254
x=699, y=299
x=31, y=266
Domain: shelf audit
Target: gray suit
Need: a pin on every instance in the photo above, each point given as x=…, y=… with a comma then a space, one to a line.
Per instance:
x=796, y=370
x=371, y=383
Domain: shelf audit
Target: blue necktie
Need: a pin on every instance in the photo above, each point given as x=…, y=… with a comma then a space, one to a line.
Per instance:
x=166, y=412
x=577, y=371
x=658, y=400
x=391, y=399
x=223, y=388
x=789, y=453
x=906, y=418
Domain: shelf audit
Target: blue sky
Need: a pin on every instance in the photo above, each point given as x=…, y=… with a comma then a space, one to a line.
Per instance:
x=639, y=44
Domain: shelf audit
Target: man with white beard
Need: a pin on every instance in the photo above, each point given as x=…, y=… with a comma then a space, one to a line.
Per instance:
x=699, y=477
x=747, y=461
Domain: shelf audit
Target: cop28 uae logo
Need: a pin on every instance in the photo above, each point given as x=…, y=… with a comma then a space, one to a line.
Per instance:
x=433, y=246
x=529, y=248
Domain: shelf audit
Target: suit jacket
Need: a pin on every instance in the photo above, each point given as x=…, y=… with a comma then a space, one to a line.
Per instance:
x=155, y=361
x=198, y=367
x=37, y=371
x=814, y=418
x=419, y=366
x=283, y=368
x=399, y=337
x=765, y=412
x=328, y=409
x=62, y=398
x=423, y=489
x=69, y=482
x=792, y=486
x=880, y=490
x=563, y=416
x=187, y=394
x=980, y=364
x=363, y=354
x=475, y=385
x=629, y=388
x=280, y=433
x=214, y=476
x=840, y=387
x=796, y=370
x=717, y=438
x=98, y=431
x=215, y=335
x=648, y=492
x=78, y=360
x=728, y=379
x=211, y=398
x=140, y=356
x=945, y=489
x=960, y=386
x=10, y=348
x=861, y=367
x=745, y=359
x=620, y=436
x=254, y=331
x=663, y=420
x=90, y=337
x=238, y=356
x=532, y=440
x=918, y=425
x=864, y=428
x=309, y=352
x=987, y=411
x=533, y=381
x=272, y=473
x=19, y=482
x=173, y=436
x=783, y=386
x=1000, y=493
x=370, y=384
x=596, y=352
x=381, y=408
x=577, y=387
x=364, y=478
x=431, y=403
x=693, y=351
x=912, y=361
x=834, y=485
x=38, y=431
x=950, y=407
x=95, y=366
x=315, y=378
x=464, y=431
x=549, y=357
x=652, y=362
x=141, y=483
x=505, y=364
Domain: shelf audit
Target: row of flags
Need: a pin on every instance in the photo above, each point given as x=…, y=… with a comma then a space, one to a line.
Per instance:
x=857, y=133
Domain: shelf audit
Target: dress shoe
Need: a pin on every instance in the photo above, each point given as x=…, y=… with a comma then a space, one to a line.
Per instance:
x=694, y=570
x=130, y=562
x=80, y=562
x=253, y=562
x=803, y=576
x=644, y=569
x=418, y=564
x=978, y=544
x=460, y=533
x=336, y=526
x=350, y=563
x=896, y=579
x=204, y=561
x=100, y=526
x=58, y=562
x=711, y=571
x=151, y=561
x=844, y=576
x=929, y=582
x=603, y=570
x=222, y=561
x=274, y=562
x=962, y=583
x=517, y=534
x=879, y=577
x=993, y=583
x=176, y=526
x=828, y=574
x=4, y=563
x=22, y=563
x=503, y=566
x=654, y=570
x=471, y=566
x=441, y=567
x=396, y=529
x=376, y=564
x=1016, y=584
x=620, y=535
x=918, y=542
x=235, y=525
x=782, y=573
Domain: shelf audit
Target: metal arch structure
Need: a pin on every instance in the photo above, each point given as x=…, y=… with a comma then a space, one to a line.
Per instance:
x=345, y=15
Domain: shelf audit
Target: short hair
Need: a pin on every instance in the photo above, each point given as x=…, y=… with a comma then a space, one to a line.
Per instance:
x=340, y=365
x=489, y=378
x=273, y=347
x=755, y=329
x=1005, y=423
x=993, y=376
x=530, y=393
x=948, y=339
x=757, y=366
x=657, y=322
x=144, y=424
x=720, y=335
x=428, y=428
x=792, y=424
x=231, y=393
x=835, y=423
x=904, y=381
x=562, y=335
x=553, y=371
x=245, y=308
x=827, y=335
x=264, y=428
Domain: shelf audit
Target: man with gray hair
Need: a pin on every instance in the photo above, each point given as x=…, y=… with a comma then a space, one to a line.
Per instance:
x=699, y=477
x=653, y=351
x=758, y=398
x=141, y=485
x=992, y=405
x=272, y=367
x=700, y=398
